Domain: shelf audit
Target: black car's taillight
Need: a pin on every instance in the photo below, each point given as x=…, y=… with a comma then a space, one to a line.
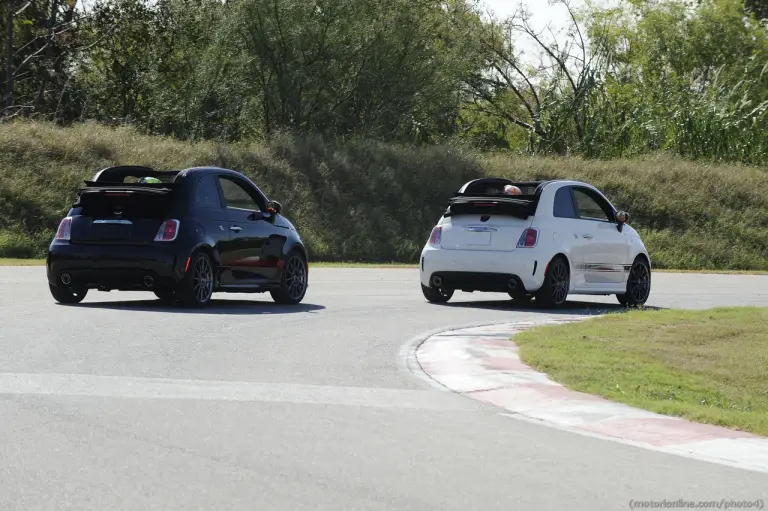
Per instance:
x=168, y=231
x=65, y=229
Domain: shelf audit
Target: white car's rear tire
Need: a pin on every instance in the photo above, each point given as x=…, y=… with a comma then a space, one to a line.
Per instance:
x=522, y=298
x=434, y=295
x=557, y=282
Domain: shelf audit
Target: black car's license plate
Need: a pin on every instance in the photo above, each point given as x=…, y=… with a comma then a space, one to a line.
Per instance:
x=110, y=230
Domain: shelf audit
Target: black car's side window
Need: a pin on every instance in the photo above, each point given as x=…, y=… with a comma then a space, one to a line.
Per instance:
x=208, y=192
x=591, y=206
x=237, y=196
x=564, y=207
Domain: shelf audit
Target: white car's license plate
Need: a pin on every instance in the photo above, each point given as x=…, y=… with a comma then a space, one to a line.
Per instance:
x=478, y=238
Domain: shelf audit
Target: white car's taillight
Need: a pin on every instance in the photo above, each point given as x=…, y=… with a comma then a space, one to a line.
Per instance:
x=168, y=231
x=529, y=238
x=435, y=236
x=65, y=229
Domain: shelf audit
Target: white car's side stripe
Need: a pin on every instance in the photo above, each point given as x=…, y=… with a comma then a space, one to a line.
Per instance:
x=611, y=268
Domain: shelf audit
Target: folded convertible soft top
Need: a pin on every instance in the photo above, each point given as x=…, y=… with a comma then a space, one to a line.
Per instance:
x=519, y=206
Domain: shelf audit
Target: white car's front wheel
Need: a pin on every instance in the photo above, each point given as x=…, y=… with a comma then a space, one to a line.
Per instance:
x=638, y=285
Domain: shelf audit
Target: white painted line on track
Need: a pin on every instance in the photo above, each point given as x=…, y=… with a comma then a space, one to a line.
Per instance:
x=161, y=388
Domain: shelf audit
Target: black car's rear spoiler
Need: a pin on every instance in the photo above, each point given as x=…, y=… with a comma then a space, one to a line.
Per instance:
x=96, y=191
x=117, y=174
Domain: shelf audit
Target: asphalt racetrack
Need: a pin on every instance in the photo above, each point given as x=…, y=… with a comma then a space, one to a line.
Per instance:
x=122, y=403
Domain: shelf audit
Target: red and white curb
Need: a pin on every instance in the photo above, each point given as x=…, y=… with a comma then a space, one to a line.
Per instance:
x=483, y=363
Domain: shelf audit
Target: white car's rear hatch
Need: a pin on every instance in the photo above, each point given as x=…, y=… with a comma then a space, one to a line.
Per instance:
x=485, y=224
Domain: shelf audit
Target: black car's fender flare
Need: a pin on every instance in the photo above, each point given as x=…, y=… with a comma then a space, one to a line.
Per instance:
x=295, y=246
x=206, y=247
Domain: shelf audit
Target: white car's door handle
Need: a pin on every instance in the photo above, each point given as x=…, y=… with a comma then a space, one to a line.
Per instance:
x=235, y=228
x=587, y=236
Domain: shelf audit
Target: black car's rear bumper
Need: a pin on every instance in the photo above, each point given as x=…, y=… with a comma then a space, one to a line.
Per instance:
x=117, y=267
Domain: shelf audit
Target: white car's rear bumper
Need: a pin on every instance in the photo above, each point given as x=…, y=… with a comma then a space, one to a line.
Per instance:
x=483, y=270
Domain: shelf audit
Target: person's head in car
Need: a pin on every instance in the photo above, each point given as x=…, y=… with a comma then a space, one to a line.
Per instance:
x=512, y=190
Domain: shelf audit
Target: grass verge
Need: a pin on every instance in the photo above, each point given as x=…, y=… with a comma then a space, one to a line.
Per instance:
x=21, y=262
x=705, y=366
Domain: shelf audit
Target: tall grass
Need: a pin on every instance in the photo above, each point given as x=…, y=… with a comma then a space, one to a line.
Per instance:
x=361, y=200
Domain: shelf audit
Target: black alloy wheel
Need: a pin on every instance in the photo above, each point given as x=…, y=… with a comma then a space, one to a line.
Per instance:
x=557, y=283
x=196, y=289
x=638, y=285
x=67, y=294
x=436, y=295
x=165, y=294
x=293, y=282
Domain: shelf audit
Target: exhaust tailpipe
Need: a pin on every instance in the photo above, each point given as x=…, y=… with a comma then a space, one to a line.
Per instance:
x=437, y=281
x=149, y=281
x=66, y=279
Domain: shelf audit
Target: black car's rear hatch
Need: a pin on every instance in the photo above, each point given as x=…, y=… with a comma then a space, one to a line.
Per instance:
x=124, y=213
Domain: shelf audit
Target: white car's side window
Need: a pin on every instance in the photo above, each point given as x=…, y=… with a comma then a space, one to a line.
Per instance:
x=589, y=208
x=564, y=207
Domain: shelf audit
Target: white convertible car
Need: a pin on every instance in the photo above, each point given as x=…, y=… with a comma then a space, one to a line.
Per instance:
x=551, y=240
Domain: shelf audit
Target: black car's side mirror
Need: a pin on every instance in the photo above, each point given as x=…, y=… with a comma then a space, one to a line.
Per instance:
x=274, y=207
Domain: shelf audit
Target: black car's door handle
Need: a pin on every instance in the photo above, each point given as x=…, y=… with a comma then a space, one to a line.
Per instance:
x=235, y=228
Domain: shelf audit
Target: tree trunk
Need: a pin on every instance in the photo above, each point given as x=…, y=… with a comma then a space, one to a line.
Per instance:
x=9, y=58
x=51, y=53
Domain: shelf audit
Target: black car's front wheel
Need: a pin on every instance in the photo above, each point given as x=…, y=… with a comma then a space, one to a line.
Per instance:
x=196, y=288
x=67, y=294
x=293, y=282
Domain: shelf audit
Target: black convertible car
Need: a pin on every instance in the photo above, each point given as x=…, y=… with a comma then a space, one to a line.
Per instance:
x=181, y=234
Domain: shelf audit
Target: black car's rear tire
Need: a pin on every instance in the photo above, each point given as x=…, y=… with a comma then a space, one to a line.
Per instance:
x=196, y=288
x=638, y=285
x=293, y=282
x=67, y=294
x=166, y=295
x=557, y=283
x=436, y=295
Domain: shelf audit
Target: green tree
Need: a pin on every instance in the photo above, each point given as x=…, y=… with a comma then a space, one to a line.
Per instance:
x=42, y=43
x=686, y=78
x=390, y=68
x=757, y=7
x=549, y=99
